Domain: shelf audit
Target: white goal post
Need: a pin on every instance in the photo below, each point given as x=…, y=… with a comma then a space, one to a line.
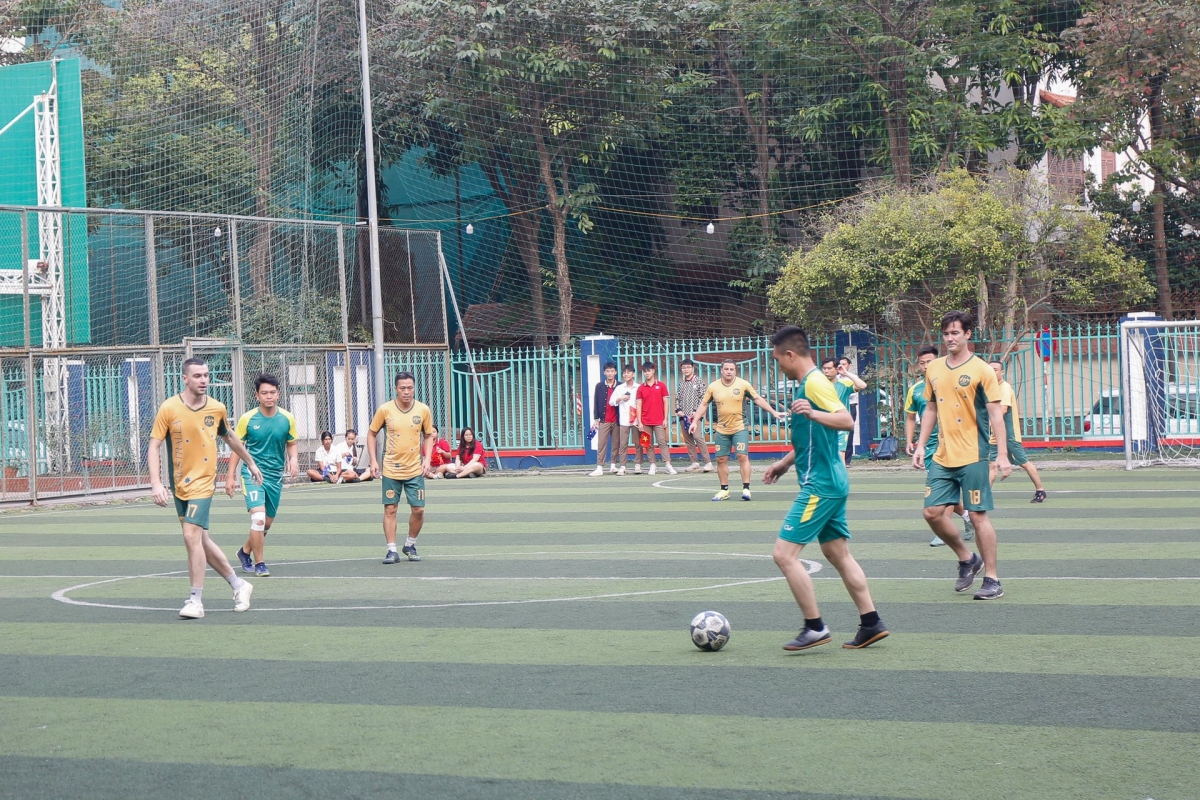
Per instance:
x=1160, y=391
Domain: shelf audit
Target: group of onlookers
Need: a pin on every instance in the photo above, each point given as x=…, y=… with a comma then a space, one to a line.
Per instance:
x=342, y=462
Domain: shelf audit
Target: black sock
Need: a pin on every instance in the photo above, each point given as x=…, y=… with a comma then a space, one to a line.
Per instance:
x=814, y=624
x=870, y=619
x=745, y=486
x=725, y=487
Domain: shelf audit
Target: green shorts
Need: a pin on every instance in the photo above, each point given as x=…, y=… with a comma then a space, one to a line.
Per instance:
x=729, y=444
x=969, y=485
x=195, y=511
x=1016, y=453
x=262, y=494
x=812, y=517
x=413, y=490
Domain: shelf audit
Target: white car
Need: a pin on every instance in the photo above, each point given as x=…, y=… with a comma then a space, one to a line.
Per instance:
x=1181, y=407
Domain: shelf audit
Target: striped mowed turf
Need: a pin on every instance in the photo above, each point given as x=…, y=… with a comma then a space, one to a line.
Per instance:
x=539, y=649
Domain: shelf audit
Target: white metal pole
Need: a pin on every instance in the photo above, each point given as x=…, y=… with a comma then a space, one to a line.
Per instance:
x=372, y=206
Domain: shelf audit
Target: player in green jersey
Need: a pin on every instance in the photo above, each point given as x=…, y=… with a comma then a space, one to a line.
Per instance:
x=914, y=408
x=269, y=432
x=819, y=511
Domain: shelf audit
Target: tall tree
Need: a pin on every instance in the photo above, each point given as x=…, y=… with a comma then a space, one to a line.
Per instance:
x=1139, y=90
x=538, y=88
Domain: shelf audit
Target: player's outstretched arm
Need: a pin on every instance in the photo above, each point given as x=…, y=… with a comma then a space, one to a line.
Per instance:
x=154, y=466
x=839, y=420
x=996, y=417
x=779, y=468
x=770, y=409
x=239, y=449
x=928, y=421
x=231, y=474
x=698, y=417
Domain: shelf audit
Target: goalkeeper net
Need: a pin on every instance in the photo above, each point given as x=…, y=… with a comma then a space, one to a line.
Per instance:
x=1160, y=372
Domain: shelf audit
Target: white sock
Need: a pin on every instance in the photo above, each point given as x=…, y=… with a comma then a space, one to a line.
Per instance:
x=196, y=594
x=410, y=541
x=235, y=582
x=967, y=516
x=391, y=547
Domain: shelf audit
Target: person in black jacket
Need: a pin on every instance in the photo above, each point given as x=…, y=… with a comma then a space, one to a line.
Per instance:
x=605, y=421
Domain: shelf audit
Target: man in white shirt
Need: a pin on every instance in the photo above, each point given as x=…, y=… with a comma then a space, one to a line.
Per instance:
x=624, y=397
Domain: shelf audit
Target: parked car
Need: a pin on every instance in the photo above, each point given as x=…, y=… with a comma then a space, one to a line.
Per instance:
x=1181, y=407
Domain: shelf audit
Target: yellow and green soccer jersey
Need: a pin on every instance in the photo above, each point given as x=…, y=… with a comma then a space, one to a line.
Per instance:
x=915, y=404
x=267, y=438
x=406, y=431
x=819, y=465
x=962, y=394
x=844, y=388
x=730, y=401
x=1008, y=399
x=191, y=437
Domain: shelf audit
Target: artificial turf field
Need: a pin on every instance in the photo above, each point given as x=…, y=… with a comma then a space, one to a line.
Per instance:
x=539, y=649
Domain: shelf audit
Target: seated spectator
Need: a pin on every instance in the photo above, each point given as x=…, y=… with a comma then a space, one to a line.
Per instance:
x=442, y=458
x=326, y=461
x=350, y=458
x=468, y=461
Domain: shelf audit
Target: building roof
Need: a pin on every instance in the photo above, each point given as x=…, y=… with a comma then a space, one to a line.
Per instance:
x=1056, y=100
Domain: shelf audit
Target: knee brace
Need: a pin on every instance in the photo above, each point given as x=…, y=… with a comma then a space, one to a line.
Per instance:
x=258, y=521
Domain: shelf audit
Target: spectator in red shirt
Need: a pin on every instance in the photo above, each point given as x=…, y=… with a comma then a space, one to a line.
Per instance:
x=652, y=400
x=468, y=461
x=442, y=457
x=606, y=422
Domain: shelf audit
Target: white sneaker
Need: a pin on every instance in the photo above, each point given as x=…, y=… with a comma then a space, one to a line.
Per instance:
x=653, y=469
x=708, y=467
x=936, y=541
x=612, y=468
x=596, y=473
x=620, y=471
x=671, y=470
x=192, y=609
x=745, y=494
x=637, y=469
x=241, y=597
x=693, y=467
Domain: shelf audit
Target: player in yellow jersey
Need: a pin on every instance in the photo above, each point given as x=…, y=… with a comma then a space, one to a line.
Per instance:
x=964, y=405
x=407, y=451
x=732, y=438
x=1012, y=429
x=190, y=423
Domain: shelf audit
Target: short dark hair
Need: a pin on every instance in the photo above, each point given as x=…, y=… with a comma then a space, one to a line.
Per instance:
x=194, y=361
x=997, y=361
x=687, y=362
x=609, y=365
x=626, y=368
x=326, y=435
x=964, y=318
x=405, y=375
x=350, y=431
x=927, y=350
x=846, y=359
x=729, y=361
x=648, y=365
x=790, y=337
x=830, y=360
x=267, y=378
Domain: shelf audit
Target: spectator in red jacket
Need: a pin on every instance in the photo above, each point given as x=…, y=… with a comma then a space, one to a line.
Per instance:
x=442, y=457
x=653, y=398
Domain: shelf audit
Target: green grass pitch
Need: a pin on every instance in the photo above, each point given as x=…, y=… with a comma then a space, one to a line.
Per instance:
x=540, y=650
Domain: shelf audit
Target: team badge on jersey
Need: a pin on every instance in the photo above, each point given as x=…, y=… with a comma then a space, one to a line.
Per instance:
x=209, y=421
x=736, y=392
x=964, y=381
x=416, y=420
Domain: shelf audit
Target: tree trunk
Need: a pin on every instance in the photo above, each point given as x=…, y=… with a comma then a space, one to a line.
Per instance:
x=1010, y=302
x=558, y=216
x=764, y=161
x=895, y=116
x=526, y=230
x=982, y=303
x=1162, y=276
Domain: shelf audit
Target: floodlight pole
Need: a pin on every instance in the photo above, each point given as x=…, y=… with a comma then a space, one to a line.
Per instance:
x=372, y=208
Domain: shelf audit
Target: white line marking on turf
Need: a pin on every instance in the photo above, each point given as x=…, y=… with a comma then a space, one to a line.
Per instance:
x=917, y=489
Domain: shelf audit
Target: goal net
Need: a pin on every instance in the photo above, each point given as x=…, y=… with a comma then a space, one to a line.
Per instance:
x=1160, y=391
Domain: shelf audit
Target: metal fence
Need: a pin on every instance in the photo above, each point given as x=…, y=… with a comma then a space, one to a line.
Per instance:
x=91, y=435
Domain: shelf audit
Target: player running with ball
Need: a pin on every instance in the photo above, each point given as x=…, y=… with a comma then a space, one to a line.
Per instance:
x=819, y=511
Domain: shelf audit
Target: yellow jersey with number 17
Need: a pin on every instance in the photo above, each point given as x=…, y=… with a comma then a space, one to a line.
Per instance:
x=406, y=432
x=962, y=394
x=191, y=437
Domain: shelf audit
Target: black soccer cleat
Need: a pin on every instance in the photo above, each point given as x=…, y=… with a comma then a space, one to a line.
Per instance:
x=1038, y=496
x=866, y=636
x=968, y=572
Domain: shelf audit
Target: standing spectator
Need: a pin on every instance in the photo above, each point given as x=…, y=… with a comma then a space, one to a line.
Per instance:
x=624, y=399
x=687, y=400
x=443, y=457
x=468, y=461
x=653, y=397
x=856, y=384
x=326, y=461
x=605, y=423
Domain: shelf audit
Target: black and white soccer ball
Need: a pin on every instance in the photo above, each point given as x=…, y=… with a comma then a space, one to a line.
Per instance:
x=710, y=630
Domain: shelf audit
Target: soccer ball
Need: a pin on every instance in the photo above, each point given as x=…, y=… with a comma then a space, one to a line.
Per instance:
x=710, y=630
